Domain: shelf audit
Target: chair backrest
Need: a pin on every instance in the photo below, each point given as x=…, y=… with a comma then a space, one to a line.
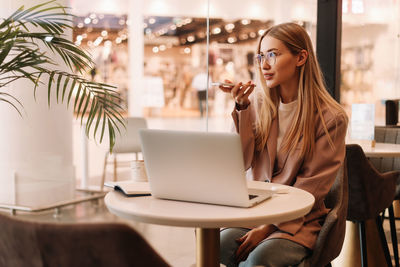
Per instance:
x=27, y=243
x=370, y=192
x=335, y=223
x=387, y=134
x=128, y=141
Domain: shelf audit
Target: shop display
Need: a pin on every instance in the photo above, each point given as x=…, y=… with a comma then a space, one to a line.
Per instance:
x=175, y=51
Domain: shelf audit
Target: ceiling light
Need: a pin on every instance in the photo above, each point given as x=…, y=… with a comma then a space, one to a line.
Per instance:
x=245, y=21
x=80, y=25
x=92, y=16
x=145, y=25
x=148, y=31
x=118, y=40
x=243, y=36
x=191, y=38
x=98, y=41
x=232, y=39
x=95, y=21
x=104, y=33
x=121, y=22
x=78, y=38
x=87, y=20
x=155, y=49
x=152, y=21
x=216, y=30
x=162, y=47
x=229, y=27
x=261, y=32
x=187, y=50
x=253, y=35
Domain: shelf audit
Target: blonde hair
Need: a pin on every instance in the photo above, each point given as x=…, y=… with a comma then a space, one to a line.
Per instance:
x=311, y=95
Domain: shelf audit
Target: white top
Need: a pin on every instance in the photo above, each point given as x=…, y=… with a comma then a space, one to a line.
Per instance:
x=290, y=204
x=286, y=113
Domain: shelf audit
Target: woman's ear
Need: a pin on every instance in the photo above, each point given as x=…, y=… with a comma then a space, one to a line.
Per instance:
x=302, y=58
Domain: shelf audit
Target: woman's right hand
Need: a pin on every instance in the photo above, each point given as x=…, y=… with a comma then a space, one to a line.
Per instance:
x=239, y=92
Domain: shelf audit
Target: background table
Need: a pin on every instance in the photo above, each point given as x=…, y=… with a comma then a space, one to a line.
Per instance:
x=381, y=150
x=207, y=219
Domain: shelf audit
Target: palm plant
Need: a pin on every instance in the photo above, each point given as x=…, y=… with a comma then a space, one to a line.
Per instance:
x=22, y=58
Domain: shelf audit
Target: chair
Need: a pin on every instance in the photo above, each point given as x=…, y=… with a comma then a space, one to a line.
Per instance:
x=127, y=142
x=335, y=224
x=370, y=193
x=36, y=244
x=389, y=134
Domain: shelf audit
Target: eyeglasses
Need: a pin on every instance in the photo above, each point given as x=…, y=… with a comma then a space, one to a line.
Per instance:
x=270, y=58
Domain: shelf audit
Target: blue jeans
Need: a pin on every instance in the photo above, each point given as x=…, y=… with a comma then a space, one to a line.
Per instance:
x=269, y=253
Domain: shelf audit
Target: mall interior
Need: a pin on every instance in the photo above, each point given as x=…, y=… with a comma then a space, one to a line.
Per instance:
x=158, y=54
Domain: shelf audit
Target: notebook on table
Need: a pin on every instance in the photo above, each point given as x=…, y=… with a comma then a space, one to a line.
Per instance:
x=130, y=188
x=198, y=167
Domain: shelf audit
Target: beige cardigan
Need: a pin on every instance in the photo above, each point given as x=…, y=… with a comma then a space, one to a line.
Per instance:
x=314, y=174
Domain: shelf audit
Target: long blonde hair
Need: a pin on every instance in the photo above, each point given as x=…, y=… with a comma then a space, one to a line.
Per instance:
x=311, y=95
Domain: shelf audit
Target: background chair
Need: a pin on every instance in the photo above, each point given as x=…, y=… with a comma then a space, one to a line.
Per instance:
x=370, y=193
x=325, y=249
x=127, y=142
x=391, y=135
x=34, y=244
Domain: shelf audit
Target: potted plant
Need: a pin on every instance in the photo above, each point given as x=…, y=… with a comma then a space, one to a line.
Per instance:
x=22, y=57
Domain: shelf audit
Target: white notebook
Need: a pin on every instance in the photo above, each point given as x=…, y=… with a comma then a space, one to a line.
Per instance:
x=130, y=188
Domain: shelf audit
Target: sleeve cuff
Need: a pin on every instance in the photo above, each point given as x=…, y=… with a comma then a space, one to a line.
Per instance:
x=290, y=227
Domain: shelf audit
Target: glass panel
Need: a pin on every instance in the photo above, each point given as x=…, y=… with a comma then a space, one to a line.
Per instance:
x=152, y=51
x=370, y=54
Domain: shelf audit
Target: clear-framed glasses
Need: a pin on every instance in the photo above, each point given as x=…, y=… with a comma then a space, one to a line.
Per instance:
x=269, y=57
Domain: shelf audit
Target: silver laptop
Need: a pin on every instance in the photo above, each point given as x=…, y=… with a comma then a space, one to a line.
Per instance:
x=197, y=167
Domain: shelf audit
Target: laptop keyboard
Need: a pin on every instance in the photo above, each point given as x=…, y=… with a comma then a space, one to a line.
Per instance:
x=252, y=196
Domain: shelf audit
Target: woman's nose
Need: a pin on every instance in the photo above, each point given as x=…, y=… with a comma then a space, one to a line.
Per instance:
x=266, y=66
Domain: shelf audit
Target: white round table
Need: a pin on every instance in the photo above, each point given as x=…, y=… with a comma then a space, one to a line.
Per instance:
x=290, y=203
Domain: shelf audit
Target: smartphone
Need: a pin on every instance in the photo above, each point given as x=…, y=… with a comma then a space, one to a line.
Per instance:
x=224, y=84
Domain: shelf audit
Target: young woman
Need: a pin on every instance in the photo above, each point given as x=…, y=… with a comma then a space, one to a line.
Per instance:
x=292, y=133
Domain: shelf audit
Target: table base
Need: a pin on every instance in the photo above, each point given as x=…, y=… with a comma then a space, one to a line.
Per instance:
x=350, y=256
x=207, y=247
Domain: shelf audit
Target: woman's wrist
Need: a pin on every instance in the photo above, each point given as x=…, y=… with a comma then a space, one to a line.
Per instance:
x=241, y=106
x=267, y=229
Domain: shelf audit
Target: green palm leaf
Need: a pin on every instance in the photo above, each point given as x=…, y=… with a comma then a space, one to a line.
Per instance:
x=21, y=58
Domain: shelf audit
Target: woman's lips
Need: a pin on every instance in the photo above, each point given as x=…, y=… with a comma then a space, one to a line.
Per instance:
x=268, y=76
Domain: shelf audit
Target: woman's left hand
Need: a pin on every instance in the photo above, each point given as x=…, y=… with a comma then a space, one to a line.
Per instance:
x=251, y=239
